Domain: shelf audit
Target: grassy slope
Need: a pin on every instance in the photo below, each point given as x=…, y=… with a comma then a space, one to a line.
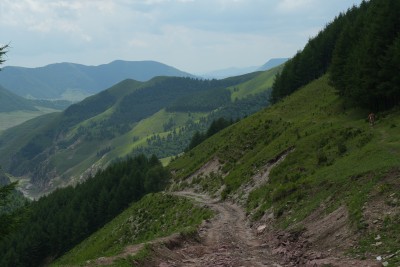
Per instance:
x=22, y=133
x=260, y=83
x=85, y=156
x=13, y=118
x=338, y=158
x=156, y=215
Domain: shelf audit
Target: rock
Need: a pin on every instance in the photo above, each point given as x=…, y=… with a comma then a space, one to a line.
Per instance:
x=261, y=228
x=379, y=258
x=377, y=244
x=377, y=237
x=385, y=263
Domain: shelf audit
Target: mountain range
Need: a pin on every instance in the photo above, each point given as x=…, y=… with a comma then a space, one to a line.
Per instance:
x=158, y=117
x=69, y=81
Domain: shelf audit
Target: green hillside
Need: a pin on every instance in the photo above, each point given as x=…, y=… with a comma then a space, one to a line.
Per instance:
x=14, y=118
x=10, y=102
x=259, y=84
x=361, y=51
x=15, y=110
x=57, y=222
x=154, y=216
x=336, y=158
x=155, y=117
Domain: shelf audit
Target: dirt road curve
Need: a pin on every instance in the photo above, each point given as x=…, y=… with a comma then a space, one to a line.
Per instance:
x=225, y=240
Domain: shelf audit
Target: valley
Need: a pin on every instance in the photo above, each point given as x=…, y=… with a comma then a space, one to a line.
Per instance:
x=156, y=117
x=297, y=165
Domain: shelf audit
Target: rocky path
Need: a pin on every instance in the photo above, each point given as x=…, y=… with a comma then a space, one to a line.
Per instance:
x=224, y=241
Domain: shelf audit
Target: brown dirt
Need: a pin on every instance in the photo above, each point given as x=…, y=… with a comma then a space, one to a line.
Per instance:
x=319, y=240
x=383, y=201
x=212, y=166
x=261, y=177
x=228, y=240
x=224, y=241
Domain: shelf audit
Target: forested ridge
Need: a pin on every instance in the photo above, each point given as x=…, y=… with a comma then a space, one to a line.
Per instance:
x=360, y=50
x=104, y=126
x=56, y=223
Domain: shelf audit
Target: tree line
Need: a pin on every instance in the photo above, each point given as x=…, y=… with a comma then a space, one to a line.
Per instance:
x=360, y=50
x=59, y=221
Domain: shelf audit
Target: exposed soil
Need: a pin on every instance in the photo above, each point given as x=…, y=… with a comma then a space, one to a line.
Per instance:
x=230, y=240
x=212, y=166
x=226, y=240
x=261, y=177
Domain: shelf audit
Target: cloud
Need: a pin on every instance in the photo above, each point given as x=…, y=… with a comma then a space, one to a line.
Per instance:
x=295, y=5
x=195, y=35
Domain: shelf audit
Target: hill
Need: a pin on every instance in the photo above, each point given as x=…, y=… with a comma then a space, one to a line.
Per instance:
x=73, y=82
x=297, y=165
x=11, y=102
x=318, y=182
x=319, y=185
x=132, y=117
x=361, y=51
x=15, y=110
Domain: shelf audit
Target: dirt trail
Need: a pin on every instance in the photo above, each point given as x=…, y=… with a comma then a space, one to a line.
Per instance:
x=224, y=241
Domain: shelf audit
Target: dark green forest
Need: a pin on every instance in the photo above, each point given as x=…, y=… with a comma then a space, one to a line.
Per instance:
x=360, y=50
x=57, y=222
x=204, y=101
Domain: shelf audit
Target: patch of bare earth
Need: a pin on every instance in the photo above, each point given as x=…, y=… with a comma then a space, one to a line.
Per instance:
x=323, y=239
x=383, y=201
x=226, y=240
x=133, y=250
x=213, y=166
x=261, y=177
x=319, y=240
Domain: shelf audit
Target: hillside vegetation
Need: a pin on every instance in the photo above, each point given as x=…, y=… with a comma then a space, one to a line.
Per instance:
x=155, y=117
x=330, y=160
x=337, y=159
x=361, y=51
x=59, y=221
x=155, y=216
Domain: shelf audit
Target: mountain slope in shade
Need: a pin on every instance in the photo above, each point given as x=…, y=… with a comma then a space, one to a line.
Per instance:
x=11, y=102
x=61, y=80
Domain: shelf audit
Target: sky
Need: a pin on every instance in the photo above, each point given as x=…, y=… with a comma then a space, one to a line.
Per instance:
x=192, y=35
